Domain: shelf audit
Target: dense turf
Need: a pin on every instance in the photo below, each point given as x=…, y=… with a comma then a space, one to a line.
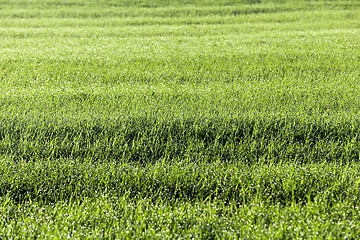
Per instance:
x=179, y=119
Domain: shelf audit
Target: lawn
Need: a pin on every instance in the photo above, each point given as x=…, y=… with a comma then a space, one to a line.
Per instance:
x=179, y=119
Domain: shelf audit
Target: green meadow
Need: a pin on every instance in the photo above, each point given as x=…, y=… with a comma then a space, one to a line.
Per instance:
x=179, y=119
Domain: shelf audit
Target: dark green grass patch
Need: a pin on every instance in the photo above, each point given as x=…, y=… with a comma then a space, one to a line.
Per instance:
x=181, y=180
x=145, y=140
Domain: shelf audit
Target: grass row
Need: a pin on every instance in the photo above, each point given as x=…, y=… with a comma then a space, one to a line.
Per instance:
x=319, y=59
x=145, y=140
x=174, y=9
x=118, y=217
x=180, y=180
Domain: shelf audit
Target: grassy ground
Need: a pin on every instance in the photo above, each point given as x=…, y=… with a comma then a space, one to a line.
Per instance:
x=179, y=119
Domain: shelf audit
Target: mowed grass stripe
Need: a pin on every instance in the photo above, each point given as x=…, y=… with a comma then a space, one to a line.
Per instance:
x=181, y=181
x=146, y=139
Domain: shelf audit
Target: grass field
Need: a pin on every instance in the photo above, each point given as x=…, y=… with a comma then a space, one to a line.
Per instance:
x=179, y=119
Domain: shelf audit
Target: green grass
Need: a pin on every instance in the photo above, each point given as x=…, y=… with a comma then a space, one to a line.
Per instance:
x=179, y=119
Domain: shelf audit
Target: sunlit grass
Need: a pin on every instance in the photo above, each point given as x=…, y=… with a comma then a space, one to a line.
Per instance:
x=179, y=119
